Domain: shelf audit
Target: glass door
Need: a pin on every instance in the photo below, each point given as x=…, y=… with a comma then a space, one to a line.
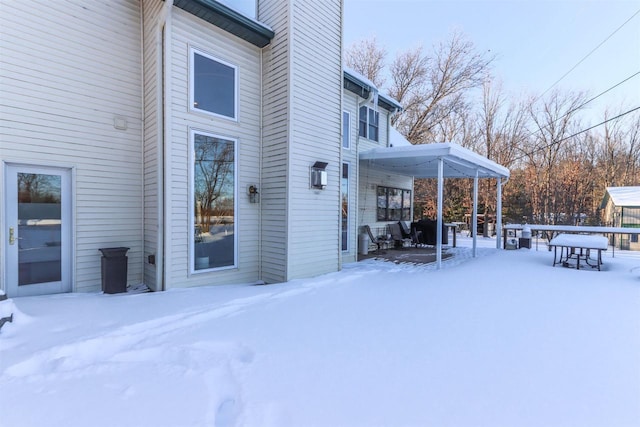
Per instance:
x=38, y=230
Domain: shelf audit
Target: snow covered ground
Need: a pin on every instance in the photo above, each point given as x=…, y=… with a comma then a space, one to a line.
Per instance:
x=504, y=339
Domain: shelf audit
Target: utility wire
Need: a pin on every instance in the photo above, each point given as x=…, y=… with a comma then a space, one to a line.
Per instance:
x=575, y=134
x=590, y=53
x=583, y=104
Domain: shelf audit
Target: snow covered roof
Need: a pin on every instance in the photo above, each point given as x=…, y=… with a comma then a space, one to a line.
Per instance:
x=396, y=139
x=362, y=86
x=624, y=196
x=421, y=161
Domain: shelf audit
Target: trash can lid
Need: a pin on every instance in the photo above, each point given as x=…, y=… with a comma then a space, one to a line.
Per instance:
x=113, y=252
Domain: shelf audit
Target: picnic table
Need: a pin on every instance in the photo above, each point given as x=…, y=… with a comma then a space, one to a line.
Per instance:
x=578, y=247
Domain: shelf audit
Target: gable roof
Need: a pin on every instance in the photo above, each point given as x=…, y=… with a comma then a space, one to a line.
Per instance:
x=229, y=20
x=623, y=196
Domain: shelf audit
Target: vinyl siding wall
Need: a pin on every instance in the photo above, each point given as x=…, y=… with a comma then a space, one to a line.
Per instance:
x=67, y=71
x=153, y=132
x=188, y=31
x=275, y=141
x=314, y=215
x=350, y=105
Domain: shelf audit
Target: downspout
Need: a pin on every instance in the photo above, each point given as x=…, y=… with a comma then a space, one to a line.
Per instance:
x=165, y=225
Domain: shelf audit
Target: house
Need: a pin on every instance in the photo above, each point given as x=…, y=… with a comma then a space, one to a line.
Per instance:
x=214, y=144
x=621, y=208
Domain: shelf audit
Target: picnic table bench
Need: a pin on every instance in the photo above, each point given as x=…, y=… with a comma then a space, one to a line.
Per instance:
x=578, y=247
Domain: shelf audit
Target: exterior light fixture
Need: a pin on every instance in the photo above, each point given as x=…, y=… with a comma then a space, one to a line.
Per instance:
x=319, y=175
x=254, y=195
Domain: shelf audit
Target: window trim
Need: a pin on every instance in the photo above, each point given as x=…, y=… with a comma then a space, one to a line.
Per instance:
x=191, y=206
x=368, y=124
x=346, y=136
x=192, y=52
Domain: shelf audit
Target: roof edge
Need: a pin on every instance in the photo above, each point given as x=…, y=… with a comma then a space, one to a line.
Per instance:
x=229, y=20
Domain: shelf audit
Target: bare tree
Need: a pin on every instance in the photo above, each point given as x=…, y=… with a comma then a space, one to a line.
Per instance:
x=213, y=180
x=433, y=87
x=367, y=58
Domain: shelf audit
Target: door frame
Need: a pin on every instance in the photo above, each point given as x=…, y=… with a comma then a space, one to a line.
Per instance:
x=68, y=229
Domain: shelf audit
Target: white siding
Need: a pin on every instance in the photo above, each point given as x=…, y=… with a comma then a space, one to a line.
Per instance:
x=314, y=215
x=153, y=131
x=67, y=70
x=275, y=141
x=189, y=31
x=349, y=104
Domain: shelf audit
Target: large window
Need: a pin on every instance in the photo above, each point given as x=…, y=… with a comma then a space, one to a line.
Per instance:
x=394, y=204
x=214, y=199
x=368, y=123
x=213, y=85
x=346, y=130
x=344, y=184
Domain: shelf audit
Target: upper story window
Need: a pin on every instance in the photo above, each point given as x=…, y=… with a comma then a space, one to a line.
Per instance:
x=368, y=123
x=246, y=7
x=214, y=85
x=346, y=130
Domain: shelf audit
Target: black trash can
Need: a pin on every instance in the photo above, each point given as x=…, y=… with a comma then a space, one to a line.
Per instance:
x=114, y=270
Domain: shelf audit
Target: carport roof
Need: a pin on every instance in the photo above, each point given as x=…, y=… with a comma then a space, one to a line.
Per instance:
x=421, y=161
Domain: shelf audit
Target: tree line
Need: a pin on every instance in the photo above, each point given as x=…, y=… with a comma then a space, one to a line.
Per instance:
x=560, y=165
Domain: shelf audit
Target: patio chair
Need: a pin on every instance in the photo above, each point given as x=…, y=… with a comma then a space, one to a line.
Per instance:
x=410, y=233
x=396, y=234
x=379, y=241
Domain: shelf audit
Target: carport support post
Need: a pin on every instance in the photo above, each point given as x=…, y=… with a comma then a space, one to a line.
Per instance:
x=474, y=215
x=439, y=219
x=499, y=213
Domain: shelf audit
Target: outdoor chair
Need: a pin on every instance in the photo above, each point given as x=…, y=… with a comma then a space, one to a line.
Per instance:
x=410, y=233
x=379, y=241
x=396, y=234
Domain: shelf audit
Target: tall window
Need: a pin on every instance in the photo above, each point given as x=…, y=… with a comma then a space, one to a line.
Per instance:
x=344, y=184
x=214, y=196
x=394, y=204
x=346, y=130
x=213, y=85
x=368, y=123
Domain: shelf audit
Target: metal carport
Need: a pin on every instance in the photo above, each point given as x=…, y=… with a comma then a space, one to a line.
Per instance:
x=441, y=160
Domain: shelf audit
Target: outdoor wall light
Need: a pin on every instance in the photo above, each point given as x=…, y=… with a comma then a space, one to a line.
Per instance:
x=319, y=175
x=254, y=195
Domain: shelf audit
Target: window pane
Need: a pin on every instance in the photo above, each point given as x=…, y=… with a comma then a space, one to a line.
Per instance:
x=395, y=203
x=214, y=86
x=346, y=130
x=362, y=122
x=345, y=206
x=373, y=125
x=214, y=193
x=382, y=204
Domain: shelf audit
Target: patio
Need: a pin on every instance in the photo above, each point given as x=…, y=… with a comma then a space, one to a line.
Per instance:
x=407, y=255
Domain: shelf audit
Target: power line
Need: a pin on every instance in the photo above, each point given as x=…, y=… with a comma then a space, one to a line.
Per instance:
x=575, y=134
x=590, y=53
x=582, y=105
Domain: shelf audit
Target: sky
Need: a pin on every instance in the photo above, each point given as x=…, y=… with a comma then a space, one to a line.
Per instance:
x=536, y=42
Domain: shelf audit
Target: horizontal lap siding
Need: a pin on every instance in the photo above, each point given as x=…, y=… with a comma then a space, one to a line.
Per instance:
x=370, y=179
x=66, y=72
x=350, y=105
x=314, y=215
x=187, y=31
x=152, y=137
x=275, y=141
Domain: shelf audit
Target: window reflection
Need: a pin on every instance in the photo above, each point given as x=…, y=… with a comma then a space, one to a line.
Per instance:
x=214, y=194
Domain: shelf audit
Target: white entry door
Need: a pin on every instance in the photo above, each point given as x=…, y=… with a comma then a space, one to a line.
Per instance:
x=38, y=235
